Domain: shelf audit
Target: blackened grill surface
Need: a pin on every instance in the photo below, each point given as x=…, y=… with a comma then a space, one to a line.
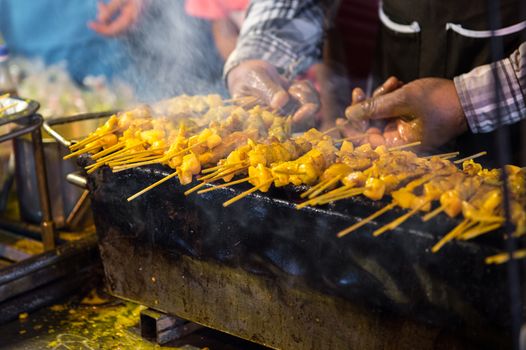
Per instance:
x=265, y=236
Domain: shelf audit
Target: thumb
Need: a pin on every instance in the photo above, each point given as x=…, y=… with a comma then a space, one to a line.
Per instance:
x=258, y=80
x=267, y=86
x=380, y=107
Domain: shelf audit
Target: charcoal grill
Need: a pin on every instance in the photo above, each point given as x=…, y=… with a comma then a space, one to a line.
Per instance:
x=267, y=272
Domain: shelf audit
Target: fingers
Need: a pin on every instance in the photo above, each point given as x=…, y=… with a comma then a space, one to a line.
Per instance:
x=376, y=140
x=348, y=131
x=391, y=84
x=358, y=95
x=380, y=107
x=306, y=97
x=259, y=79
x=106, y=11
x=411, y=131
x=127, y=12
x=391, y=135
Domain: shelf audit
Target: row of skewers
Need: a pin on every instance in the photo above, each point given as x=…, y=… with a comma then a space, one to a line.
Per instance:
x=236, y=141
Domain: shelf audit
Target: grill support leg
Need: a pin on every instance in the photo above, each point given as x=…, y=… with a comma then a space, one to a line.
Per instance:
x=162, y=328
x=47, y=226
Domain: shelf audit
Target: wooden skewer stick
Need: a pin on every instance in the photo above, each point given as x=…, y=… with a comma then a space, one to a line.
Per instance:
x=184, y=150
x=365, y=220
x=397, y=222
x=219, y=173
x=195, y=188
x=93, y=169
x=246, y=193
x=155, y=184
x=226, y=184
x=443, y=155
x=104, y=159
x=289, y=172
x=114, y=163
x=137, y=164
x=451, y=235
x=98, y=165
x=134, y=164
x=82, y=151
x=252, y=103
x=342, y=195
x=161, y=159
x=128, y=152
x=351, y=138
x=334, y=193
x=328, y=131
x=315, y=200
x=108, y=150
x=325, y=186
x=337, y=127
x=125, y=154
x=337, y=194
x=313, y=188
x=211, y=175
x=433, y=213
x=346, y=195
x=209, y=178
x=449, y=157
x=480, y=154
x=90, y=139
x=504, y=257
x=213, y=169
x=228, y=172
x=478, y=230
x=407, y=145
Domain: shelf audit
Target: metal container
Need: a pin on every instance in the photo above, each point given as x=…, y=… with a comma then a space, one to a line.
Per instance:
x=64, y=196
x=19, y=109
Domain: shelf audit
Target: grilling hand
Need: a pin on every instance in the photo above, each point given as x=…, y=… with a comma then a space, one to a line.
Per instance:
x=260, y=79
x=435, y=112
x=367, y=131
x=116, y=17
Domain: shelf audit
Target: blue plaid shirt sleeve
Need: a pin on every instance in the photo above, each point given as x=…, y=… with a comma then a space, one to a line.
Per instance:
x=476, y=91
x=287, y=34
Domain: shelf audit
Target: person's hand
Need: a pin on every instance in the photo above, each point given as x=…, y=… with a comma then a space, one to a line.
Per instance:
x=428, y=110
x=367, y=131
x=116, y=16
x=260, y=79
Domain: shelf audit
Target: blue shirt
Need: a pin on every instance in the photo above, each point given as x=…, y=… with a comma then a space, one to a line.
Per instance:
x=56, y=30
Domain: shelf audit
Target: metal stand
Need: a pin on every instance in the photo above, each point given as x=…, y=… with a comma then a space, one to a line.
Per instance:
x=47, y=225
x=36, y=280
x=32, y=124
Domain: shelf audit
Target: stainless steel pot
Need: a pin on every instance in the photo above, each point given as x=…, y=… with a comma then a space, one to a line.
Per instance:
x=18, y=108
x=64, y=196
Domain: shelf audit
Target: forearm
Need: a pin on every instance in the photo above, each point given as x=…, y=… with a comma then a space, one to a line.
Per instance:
x=476, y=91
x=287, y=34
x=225, y=36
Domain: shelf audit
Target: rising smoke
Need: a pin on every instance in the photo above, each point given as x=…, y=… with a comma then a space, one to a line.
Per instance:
x=172, y=53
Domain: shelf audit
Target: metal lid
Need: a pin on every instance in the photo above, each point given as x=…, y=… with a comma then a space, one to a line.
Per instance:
x=20, y=109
